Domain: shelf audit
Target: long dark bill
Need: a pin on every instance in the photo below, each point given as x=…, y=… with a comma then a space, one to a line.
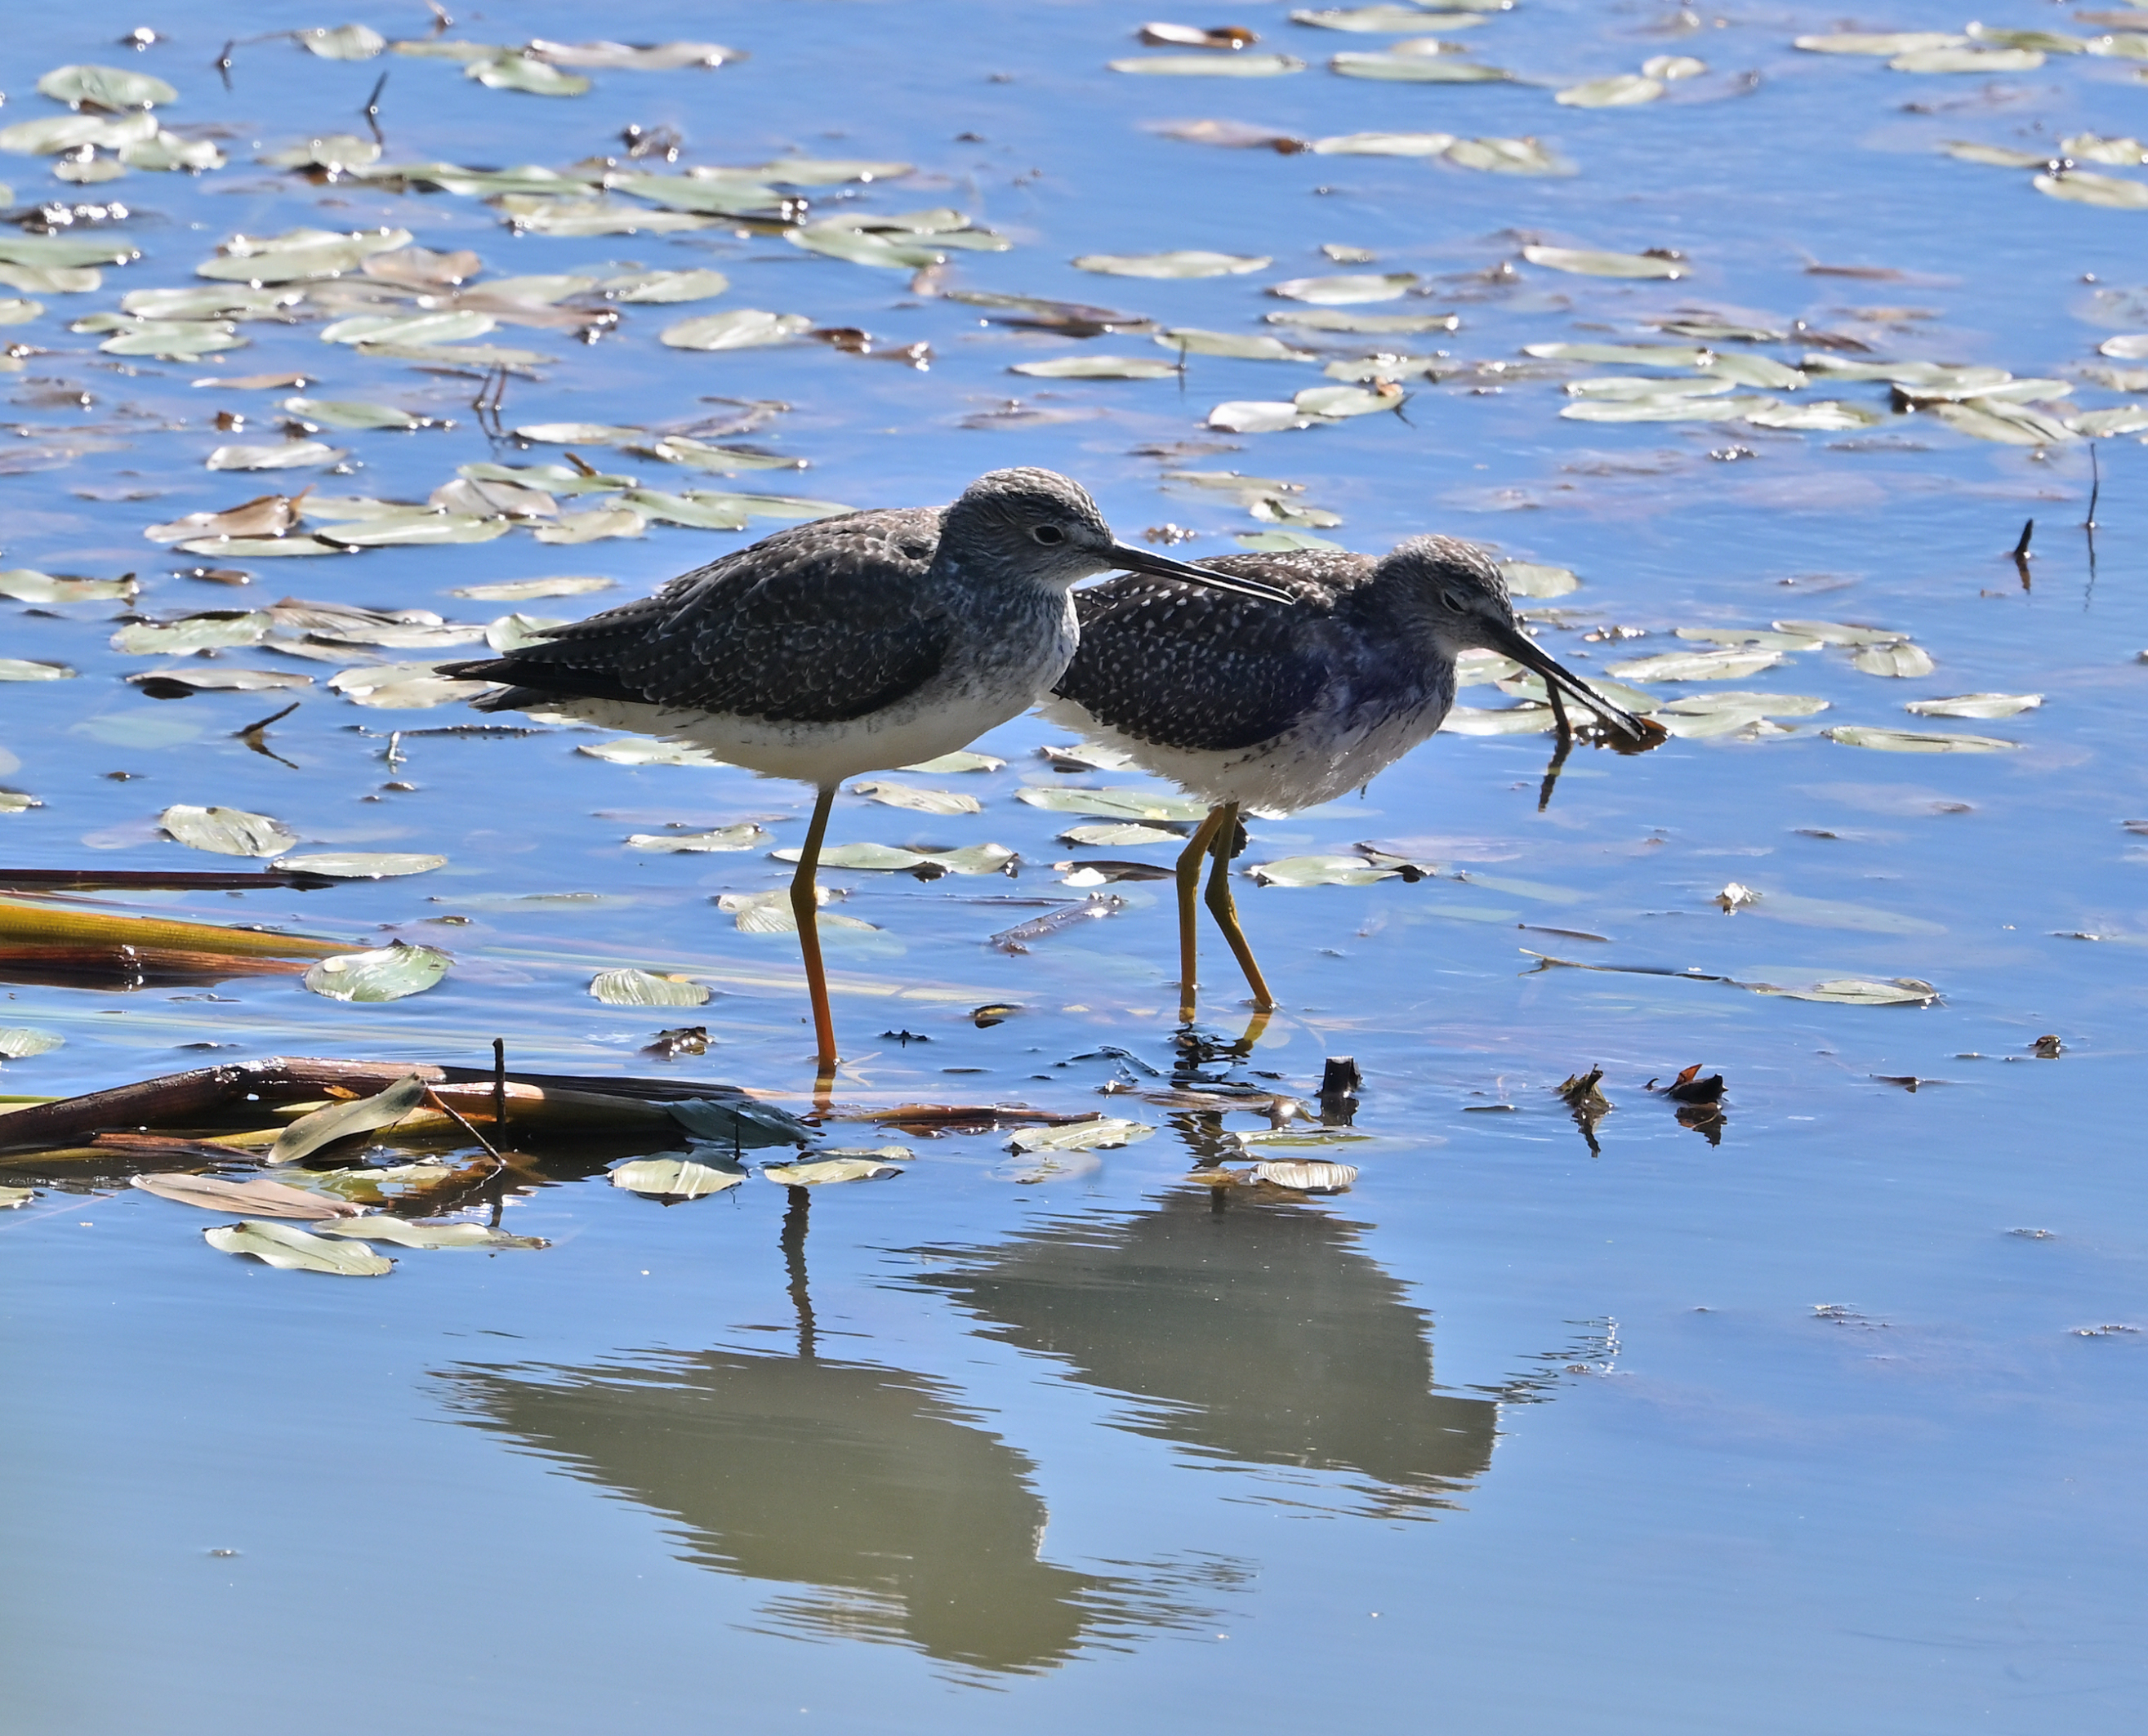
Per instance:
x=1628, y=734
x=1147, y=560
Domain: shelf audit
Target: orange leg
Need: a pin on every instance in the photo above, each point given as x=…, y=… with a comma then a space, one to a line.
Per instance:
x=1225, y=910
x=1189, y=883
x=805, y=906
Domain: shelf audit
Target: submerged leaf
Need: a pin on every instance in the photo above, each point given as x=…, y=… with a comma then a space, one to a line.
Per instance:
x=387, y=973
x=631, y=987
x=2084, y=187
x=297, y=1251
x=738, y=328
x=1183, y=263
x=1918, y=741
x=265, y=1199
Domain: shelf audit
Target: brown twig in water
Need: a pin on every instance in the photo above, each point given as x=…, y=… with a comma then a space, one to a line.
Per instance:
x=2021, y=557
x=372, y=112
x=499, y=1086
x=435, y=1101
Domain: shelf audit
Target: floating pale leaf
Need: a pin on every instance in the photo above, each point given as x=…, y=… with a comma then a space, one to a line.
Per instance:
x=297, y=1251
x=346, y=42
x=386, y=973
x=1696, y=665
x=1673, y=67
x=1967, y=60
x=1306, y=1175
x=108, y=87
x=623, y=57
x=639, y=751
x=2085, y=188
x=1881, y=43
x=2009, y=425
x=1857, y=991
x=1839, y=633
x=1977, y=704
x=1995, y=156
x=917, y=800
x=1419, y=68
x=961, y=760
x=1253, y=416
x=1338, y=401
x=1210, y=66
x=525, y=72
x=19, y=1042
x=1113, y=803
x=227, y=831
x=1184, y=264
x=12, y=1197
x=829, y=1169
x=1662, y=407
x=23, y=669
x=1347, y=290
x=1384, y=144
x=1511, y=720
x=183, y=340
x=402, y=1232
x=1826, y=415
x=25, y=586
x=642, y=988
x=1621, y=90
x=665, y=286
x=1903, y=658
x=676, y=1178
x=738, y=328
x=363, y=864
x=1918, y=741
x=769, y=913
x=1590, y=263
x=1527, y=579
x=1105, y=1133
x=1117, y=837
x=1508, y=157
x=265, y=1199
x=1389, y=20
x=1631, y=388
x=746, y=836
x=286, y=455
x=195, y=633
x=346, y=413
x=1098, y=367
x=1318, y=872
x=385, y=1107
x=2100, y=424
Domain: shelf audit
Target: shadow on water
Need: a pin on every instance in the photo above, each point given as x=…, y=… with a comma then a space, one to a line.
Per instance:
x=872, y=1486
x=1256, y=1335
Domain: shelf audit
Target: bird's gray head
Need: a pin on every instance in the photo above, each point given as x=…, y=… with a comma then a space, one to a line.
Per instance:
x=1036, y=527
x=1451, y=593
x=1035, y=524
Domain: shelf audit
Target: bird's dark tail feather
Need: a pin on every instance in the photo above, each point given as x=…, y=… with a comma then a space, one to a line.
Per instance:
x=531, y=683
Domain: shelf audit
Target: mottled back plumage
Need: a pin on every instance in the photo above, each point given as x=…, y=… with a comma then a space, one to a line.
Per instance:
x=821, y=623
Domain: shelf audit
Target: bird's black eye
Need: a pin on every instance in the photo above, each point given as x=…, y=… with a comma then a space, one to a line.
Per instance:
x=1048, y=534
x=1451, y=600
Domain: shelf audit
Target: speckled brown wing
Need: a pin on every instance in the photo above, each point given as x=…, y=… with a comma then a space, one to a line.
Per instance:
x=819, y=624
x=1167, y=662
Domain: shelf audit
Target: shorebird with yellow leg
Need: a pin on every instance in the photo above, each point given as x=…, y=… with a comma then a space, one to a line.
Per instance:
x=850, y=645
x=1269, y=707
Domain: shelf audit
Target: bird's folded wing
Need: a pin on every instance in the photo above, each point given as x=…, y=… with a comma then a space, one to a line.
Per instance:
x=820, y=624
x=1170, y=663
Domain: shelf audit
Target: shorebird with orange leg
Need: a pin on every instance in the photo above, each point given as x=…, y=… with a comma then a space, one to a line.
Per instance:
x=1270, y=707
x=850, y=645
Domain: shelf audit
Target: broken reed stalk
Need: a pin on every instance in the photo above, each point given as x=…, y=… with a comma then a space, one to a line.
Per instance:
x=186, y=1100
x=499, y=1086
x=437, y=1102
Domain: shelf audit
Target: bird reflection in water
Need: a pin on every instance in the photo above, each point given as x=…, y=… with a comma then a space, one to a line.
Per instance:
x=871, y=1486
x=1254, y=1334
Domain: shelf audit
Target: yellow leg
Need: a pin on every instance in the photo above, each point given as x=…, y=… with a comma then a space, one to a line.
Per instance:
x=1189, y=883
x=1224, y=911
x=805, y=906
